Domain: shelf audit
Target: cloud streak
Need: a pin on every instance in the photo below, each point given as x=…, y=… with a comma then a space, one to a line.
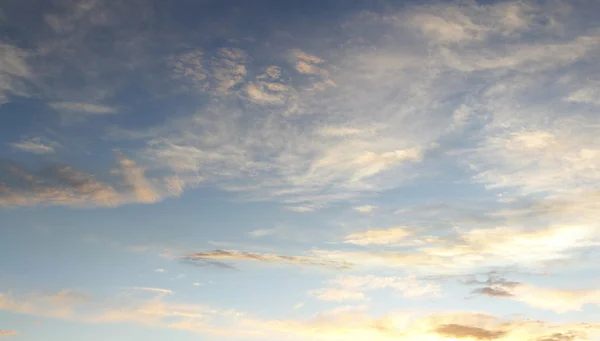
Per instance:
x=8, y=332
x=34, y=145
x=237, y=255
x=555, y=299
x=66, y=186
x=83, y=108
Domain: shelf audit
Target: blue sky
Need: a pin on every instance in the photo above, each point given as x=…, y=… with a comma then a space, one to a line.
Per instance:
x=299, y=170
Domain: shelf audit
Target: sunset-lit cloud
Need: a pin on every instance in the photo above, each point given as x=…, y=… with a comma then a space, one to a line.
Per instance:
x=300, y=171
x=233, y=255
x=8, y=332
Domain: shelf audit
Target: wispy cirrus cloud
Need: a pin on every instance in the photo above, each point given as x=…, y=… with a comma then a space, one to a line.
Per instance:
x=15, y=72
x=353, y=288
x=143, y=306
x=8, y=332
x=35, y=145
x=158, y=308
x=83, y=108
x=345, y=323
x=560, y=300
x=480, y=248
x=233, y=255
x=64, y=185
x=389, y=237
x=358, y=122
x=365, y=209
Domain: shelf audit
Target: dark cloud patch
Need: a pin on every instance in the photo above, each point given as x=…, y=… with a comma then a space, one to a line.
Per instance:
x=568, y=336
x=203, y=257
x=490, y=291
x=494, y=286
x=202, y=263
x=66, y=186
x=461, y=331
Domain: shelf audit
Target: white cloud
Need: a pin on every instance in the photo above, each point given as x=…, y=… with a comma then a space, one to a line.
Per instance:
x=365, y=209
x=158, y=308
x=160, y=270
x=353, y=288
x=588, y=95
x=262, y=232
x=35, y=145
x=14, y=72
x=384, y=107
x=354, y=324
x=390, y=237
x=219, y=75
x=472, y=23
x=338, y=295
x=560, y=300
x=83, y=108
x=481, y=248
x=67, y=186
x=558, y=160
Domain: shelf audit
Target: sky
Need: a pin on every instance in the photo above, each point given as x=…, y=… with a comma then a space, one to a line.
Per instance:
x=299, y=170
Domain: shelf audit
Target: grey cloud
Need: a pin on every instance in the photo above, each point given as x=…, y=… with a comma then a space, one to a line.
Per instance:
x=35, y=145
x=14, y=72
x=567, y=336
x=490, y=291
x=234, y=255
x=93, y=109
x=201, y=263
x=64, y=185
x=462, y=331
x=495, y=286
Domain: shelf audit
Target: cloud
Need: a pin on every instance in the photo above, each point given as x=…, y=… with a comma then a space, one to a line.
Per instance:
x=8, y=332
x=480, y=248
x=353, y=324
x=353, y=288
x=157, y=290
x=61, y=304
x=144, y=306
x=365, y=209
x=382, y=112
x=267, y=258
x=262, y=232
x=388, y=237
x=222, y=73
x=34, y=145
x=474, y=23
x=586, y=95
x=555, y=299
x=66, y=186
x=467, y=332
x=83, y=108
x=338, y=295
x=494, y=292
x=307, y=165
x=158, y=308
x=136, y=181
x=14, y=72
